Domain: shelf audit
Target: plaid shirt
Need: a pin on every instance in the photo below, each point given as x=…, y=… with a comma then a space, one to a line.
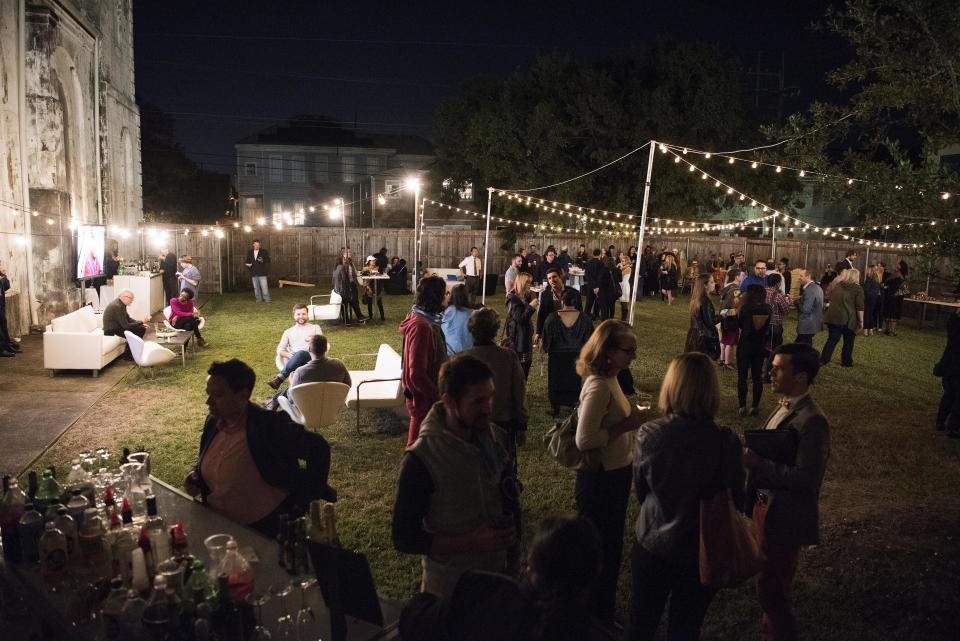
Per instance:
x=778, y=304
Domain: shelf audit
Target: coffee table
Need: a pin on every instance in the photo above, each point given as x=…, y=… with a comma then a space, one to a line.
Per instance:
x=181, y=338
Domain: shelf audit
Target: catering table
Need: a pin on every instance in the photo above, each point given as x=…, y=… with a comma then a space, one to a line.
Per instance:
x=922, y=316
x=60, y=608
x=576, y=277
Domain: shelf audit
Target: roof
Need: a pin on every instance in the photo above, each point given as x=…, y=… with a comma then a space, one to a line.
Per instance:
x=317, y=131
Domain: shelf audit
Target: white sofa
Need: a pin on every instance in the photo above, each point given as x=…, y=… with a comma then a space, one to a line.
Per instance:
x=450, y=275
x=76, y=341
x=379, y=387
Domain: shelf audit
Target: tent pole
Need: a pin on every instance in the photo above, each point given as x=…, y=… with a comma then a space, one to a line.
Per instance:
x=486, y=244
x=643, y=224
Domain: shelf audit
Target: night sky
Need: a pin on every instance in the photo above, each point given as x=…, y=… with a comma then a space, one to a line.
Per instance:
x=223, y=72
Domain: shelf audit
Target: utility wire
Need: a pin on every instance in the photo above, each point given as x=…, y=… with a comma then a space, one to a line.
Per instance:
x=592, y=171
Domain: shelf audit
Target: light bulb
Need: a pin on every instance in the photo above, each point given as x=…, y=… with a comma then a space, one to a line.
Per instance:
x=753, y=165
x=731, y=160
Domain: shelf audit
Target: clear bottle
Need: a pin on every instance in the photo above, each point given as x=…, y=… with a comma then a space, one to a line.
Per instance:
x=94, y=546
x=65, y=523
x=316, y=531
x=53, y=554
x=122, y=547
x=156, y=528
x=140, y=579
x=113, y=606
x=157, y=612
x=178, y=540
x=143, y=542
x=12, y=506
x=238, y=571
x=30, y=529
x=132, y=612
x=330, y=523
x=300, y=549
x=202, y=628
x=77, y=505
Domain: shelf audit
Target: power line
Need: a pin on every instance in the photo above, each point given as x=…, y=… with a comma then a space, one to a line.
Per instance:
x=283, y=120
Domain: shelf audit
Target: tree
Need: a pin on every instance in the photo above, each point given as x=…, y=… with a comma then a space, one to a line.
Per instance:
x=560, y=118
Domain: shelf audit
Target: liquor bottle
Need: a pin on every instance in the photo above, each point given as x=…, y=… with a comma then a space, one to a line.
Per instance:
x=132, y=612
x=143, y=542
x=32, y=488
x=157, y=612
x=198, y=587
x=124, y=542
x=238, y=571
x=29, y=530
x=94, y=546
x=126, y=511
x=65, y=523
x=139, y=578
x=12, y=506
x=53, y=554
x=159, y=539
x=202, y=628
x=77, y=505
x=178, y=540
x=300, y=549
x=112, y=607
x=48, y=495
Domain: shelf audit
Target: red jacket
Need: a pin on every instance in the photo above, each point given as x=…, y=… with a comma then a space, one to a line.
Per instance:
x=421, y=367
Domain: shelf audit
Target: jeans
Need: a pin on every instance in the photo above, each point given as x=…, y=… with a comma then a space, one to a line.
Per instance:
x=299, y=358
x=602, y=498
x=261, y=289
x=948, y=414
x=846, y=353
x=750, y=359
x=654, y=580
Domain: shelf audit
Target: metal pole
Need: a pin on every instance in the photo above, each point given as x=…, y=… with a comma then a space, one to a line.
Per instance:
x=643, y=224
x=486, y=244
x=373, y=201
x=416, y=238
x=806, y=256
x=219, y=266
x=773, y=238
x=299, y=257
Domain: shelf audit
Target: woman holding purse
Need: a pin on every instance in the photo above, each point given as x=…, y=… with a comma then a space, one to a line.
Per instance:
x=679, y=459
x=605, y=420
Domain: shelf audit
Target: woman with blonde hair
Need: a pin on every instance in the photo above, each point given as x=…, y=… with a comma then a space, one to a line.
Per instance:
x=626, y=277
x=518, y=330
x=668, y=277
x=844, y=316
x=605, y=418
x=678, y=460
x=872, y=298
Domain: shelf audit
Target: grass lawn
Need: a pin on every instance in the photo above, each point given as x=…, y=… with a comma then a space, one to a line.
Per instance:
x=888, y=565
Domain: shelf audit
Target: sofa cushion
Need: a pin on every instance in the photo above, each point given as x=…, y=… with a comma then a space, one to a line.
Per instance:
x=82, y=320
x=388, y=362
x=110, y=343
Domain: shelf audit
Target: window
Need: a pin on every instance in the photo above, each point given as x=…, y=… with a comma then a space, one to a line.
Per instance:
x=276, y=168
x=374, y=165
x=321, y=164
x=249, y=169
x=277, y=212
x=392, y=187
x=465, y=192
x=297, y=174
x=299, y=212
x=252, y=208
x=349, y=164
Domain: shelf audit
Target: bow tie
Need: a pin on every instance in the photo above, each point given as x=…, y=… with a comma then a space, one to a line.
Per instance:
x=784, y=403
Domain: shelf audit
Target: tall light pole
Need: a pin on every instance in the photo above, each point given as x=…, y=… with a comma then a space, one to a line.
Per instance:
x=413, y=183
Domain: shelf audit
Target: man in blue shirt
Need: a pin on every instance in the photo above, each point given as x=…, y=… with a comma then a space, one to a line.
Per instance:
x=758, y=277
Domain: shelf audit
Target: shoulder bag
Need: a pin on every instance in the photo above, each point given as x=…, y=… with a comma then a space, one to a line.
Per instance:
x=562, y=446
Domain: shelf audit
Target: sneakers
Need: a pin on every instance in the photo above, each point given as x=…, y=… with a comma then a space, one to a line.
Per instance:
x=275, y=382
x=742, y=411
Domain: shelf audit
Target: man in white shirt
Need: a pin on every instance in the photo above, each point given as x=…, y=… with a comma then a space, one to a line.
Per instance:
x=472, y=271
x=293, y=346
x=512, y=272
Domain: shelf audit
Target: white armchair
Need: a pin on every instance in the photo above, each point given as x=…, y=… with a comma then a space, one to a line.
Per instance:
x=169, y=325
x=76, y=341
x=314, y=405
x=147, y=353
x=379, y=387
x=325, y=311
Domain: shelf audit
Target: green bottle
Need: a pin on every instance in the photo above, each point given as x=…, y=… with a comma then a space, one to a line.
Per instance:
x=48, y=493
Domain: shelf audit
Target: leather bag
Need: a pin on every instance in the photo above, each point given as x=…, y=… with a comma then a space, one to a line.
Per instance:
x=729, y=552
x=562, y=446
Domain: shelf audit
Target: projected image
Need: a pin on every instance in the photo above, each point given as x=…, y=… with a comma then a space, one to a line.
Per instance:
x=90, y=241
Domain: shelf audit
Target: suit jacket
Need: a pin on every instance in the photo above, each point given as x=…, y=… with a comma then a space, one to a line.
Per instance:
x=547, y=307
x=841, y=266
x=794, y=516
x=810, y=309
x=591, y=272
x=277, y=445
x=258, y=268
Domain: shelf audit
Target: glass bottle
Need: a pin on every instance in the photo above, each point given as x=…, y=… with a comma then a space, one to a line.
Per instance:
x=77, y=505
x=198, y=587
x=143, y=542
x=330, y=523
x=113, y=606
x=93, y=544
x=316, y=532
x=178, y=540
x=158, y=607
x=156, y=528
x=132, y=612
x=282, y=540
x=29, y=530
x=48, y=495
x=123, y=544
x=201, y=625
x=238, y=571
x=65, y=523
x=139, y=579
x=300, y=550
x=53, y=554
x=12, y=506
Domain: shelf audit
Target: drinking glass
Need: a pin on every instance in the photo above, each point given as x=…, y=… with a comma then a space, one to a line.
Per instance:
x=644, y=401
x=305, y=616
x=134, y=486
x=286, y=628
x=260, y=633
x=216, y=545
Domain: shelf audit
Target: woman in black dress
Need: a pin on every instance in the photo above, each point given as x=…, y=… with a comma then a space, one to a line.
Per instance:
x=754, y=319
x=518, y=330
x=702, y=335
x=565, y=332
x=872, y=297
x=609, y=285
x=893, y=301
x=668, y=277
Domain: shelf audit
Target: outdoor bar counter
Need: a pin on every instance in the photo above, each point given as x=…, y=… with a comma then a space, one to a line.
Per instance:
x=147, y=291
x=65, y=612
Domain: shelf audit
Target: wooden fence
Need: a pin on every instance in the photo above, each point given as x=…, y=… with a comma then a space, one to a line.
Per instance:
x=309, y=254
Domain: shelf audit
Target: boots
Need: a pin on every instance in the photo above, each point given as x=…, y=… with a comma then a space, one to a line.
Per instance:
x=275, y=382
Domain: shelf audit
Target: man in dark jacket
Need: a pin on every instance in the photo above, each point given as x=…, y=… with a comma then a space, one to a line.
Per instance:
x=258, y=262
x=591, y=282
x=249, y=464
x=785, y=497
x=7, y=346
x=551, y=297
x=168, y=269
x=948, y=414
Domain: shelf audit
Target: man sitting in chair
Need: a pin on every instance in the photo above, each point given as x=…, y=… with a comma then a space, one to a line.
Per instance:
x=116, y=320
x=293, y=344
x=319, y=369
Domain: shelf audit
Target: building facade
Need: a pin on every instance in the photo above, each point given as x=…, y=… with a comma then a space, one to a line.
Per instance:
x=69, y=142
x=293, y=174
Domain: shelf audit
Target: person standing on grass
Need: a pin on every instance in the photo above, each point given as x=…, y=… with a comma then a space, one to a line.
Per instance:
x=258, y=262
x=518, y=331
x=516, y=266
x=605, y=419
x=678, y=460
x=844, y=316
x=754, y=320
x=893, y=294
x=189, y=276
x=729, y=323
x=758, y=277
x=472, y=270
x=948, y=368
x=872, y=295
x=456, y=315
x=626, y=277
x=564, y=334
x=424, y=351
x=293, y=347
x=702, y=335
x=669, y=273
x=784, y=499
x=450, y=507
x=779, y=304
x=809, y=308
